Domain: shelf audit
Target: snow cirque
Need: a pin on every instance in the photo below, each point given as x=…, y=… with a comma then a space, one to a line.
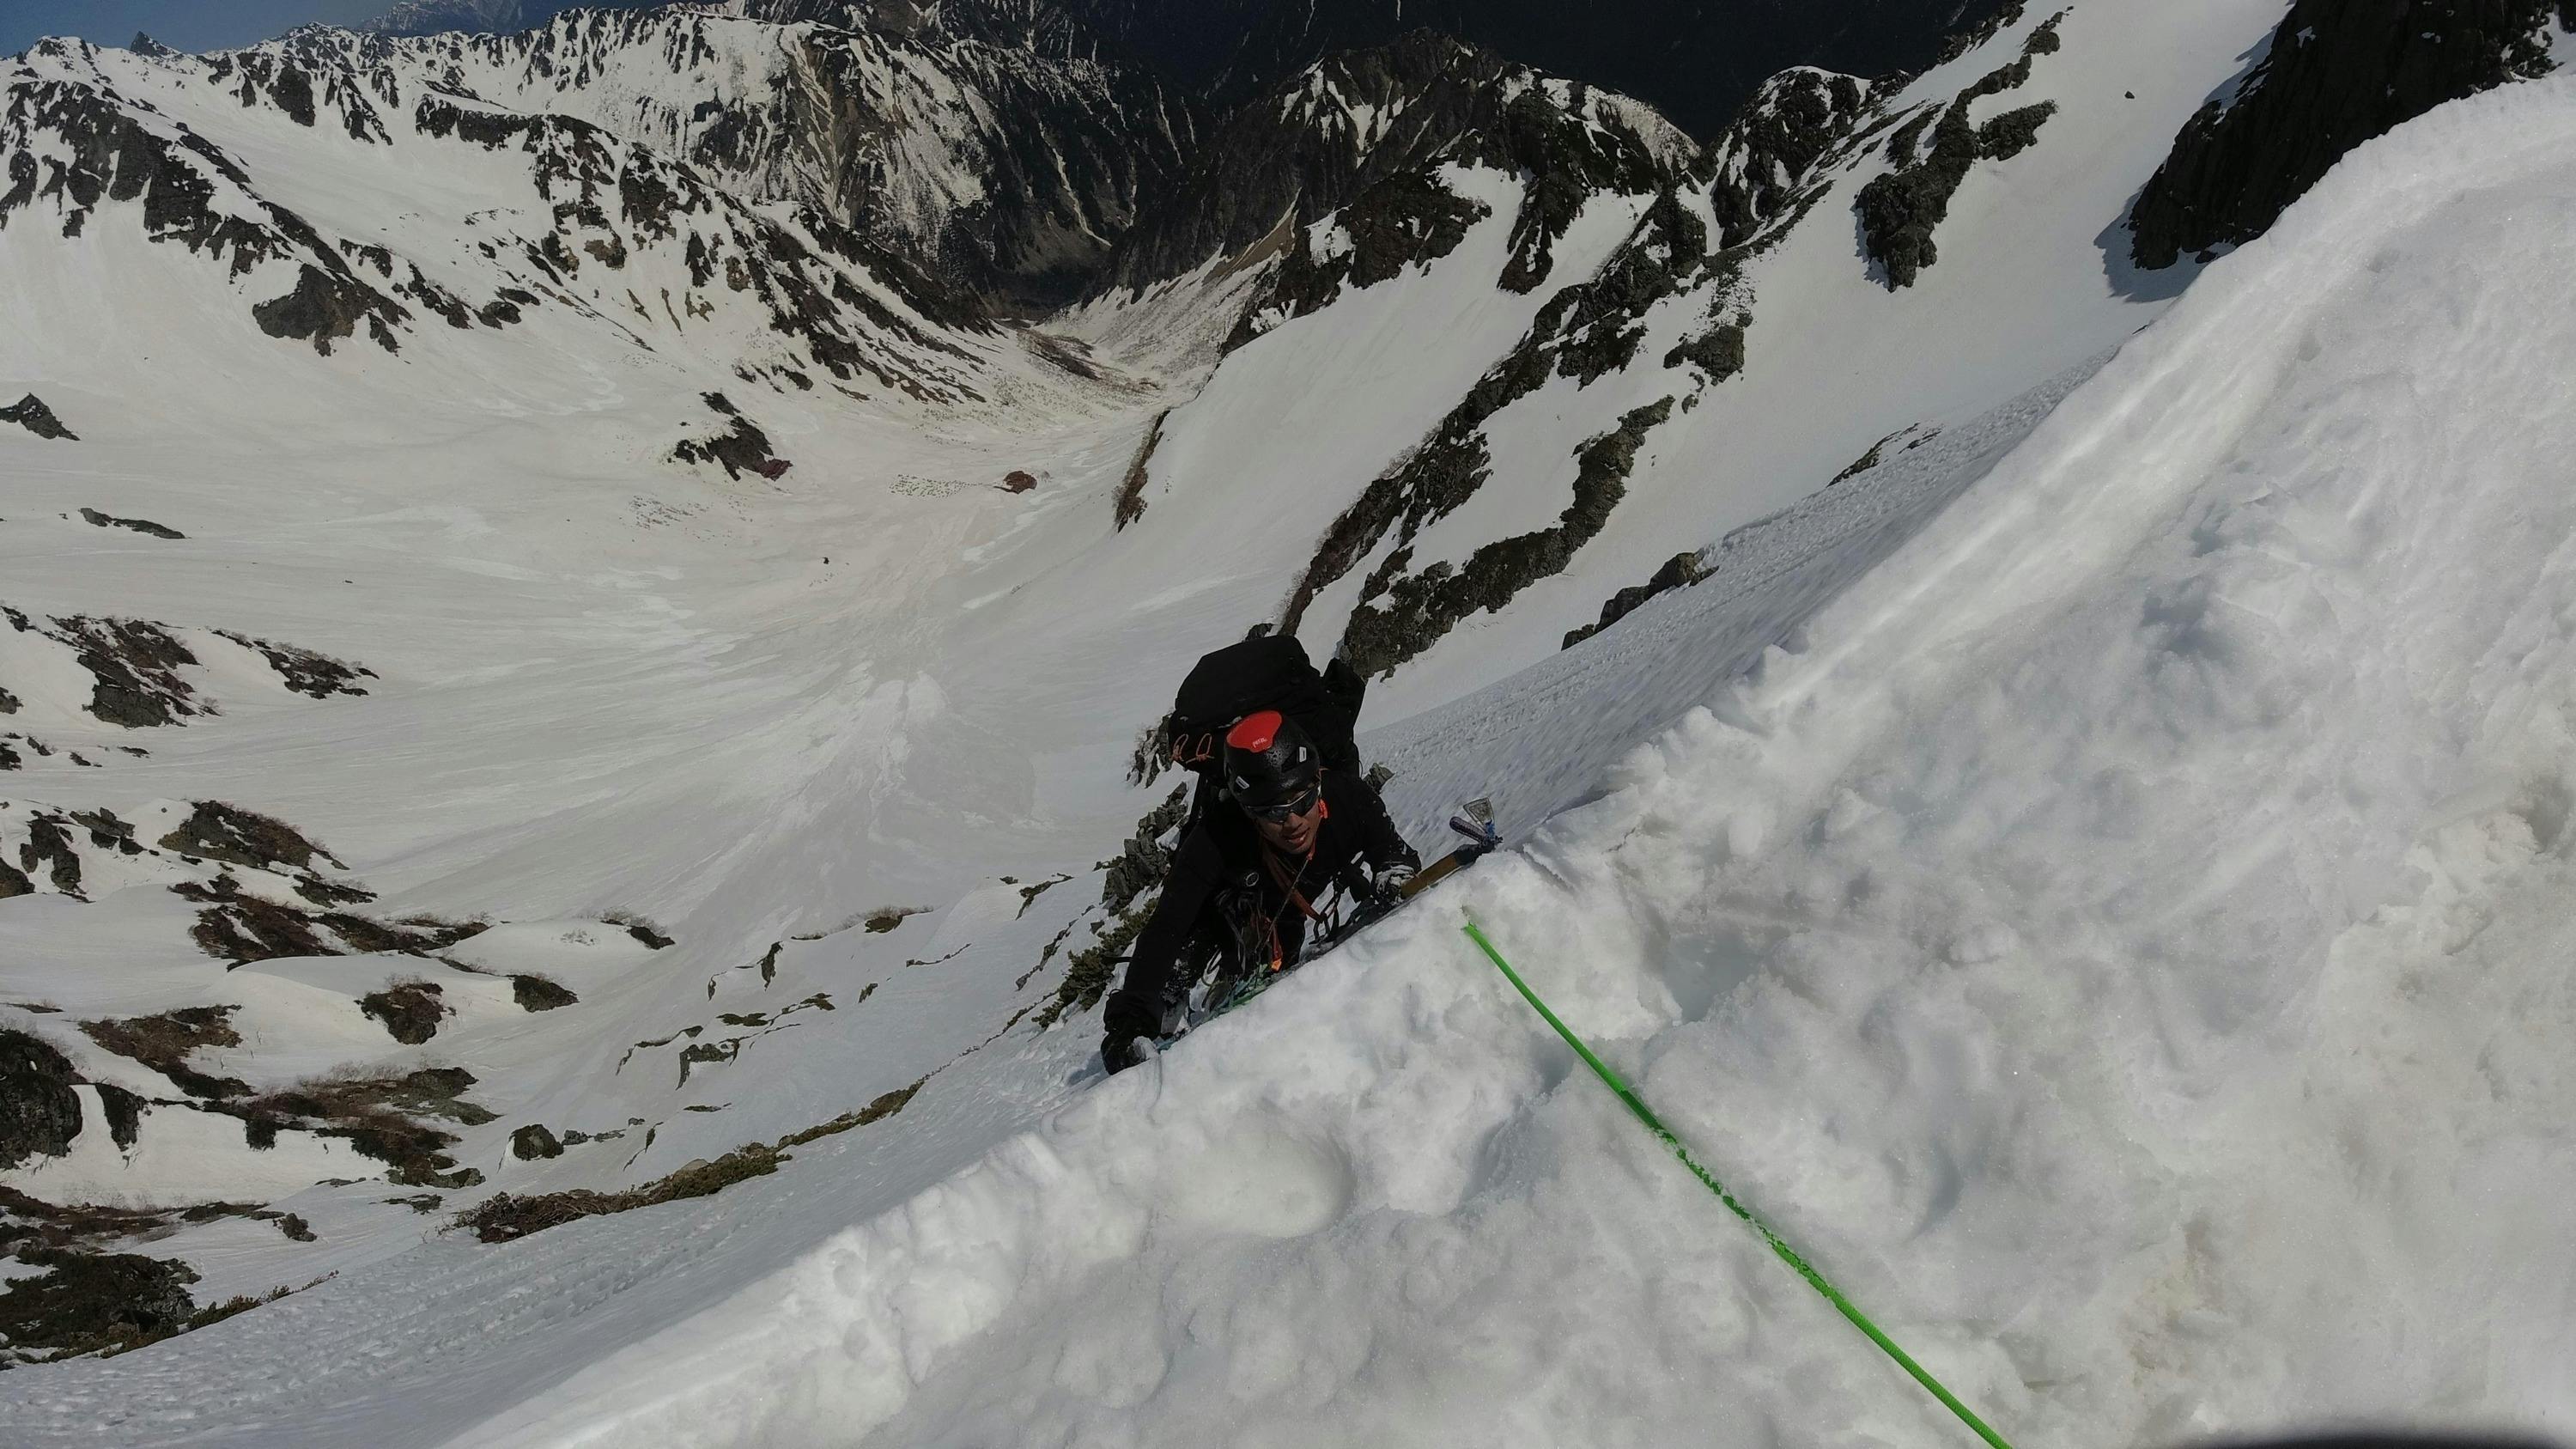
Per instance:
x=2086, y=856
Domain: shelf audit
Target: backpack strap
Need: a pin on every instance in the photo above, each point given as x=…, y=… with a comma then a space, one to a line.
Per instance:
x=1288, y=880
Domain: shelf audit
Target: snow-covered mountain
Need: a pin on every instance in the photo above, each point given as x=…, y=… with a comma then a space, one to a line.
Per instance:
x=192, y=155
x=1006, y=172
x=1694, y=62
x=478, y=17
x=2043, y=755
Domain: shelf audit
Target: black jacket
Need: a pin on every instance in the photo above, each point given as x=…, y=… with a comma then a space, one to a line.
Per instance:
x=1224, y=852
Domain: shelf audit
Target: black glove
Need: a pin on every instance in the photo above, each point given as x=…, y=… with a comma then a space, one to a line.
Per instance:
x=1128, y=1023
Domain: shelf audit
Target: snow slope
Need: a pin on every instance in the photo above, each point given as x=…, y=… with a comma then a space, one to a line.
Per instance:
x=2123, y=943
x=2154, y=859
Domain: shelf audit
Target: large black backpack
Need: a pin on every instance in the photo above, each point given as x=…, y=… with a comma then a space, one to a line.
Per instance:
x=1266, y=672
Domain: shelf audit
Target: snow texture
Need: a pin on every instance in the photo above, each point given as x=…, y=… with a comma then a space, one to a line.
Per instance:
x=2116, y=927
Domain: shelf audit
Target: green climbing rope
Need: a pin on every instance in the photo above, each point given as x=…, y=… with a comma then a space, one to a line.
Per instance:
x=1787, y=1254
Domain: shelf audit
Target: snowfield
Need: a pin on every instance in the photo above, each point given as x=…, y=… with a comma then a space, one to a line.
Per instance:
x=2096, y=880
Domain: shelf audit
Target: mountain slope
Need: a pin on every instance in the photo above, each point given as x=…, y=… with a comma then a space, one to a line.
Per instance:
x=1009, y=172
x=585, y=221
x=2005, y=1055
x=1694, y=62
x=474, y=826
x=501, y=17
x=2093, y=1116
x=1472, y=502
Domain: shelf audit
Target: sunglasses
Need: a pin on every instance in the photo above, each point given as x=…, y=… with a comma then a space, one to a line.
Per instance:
x=1278, y=814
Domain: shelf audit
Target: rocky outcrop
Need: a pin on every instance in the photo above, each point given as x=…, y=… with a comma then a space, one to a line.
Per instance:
x=1318, y=141
x=217, y=831
x=1694, y=62
x=1679, y=572
x=39, y=1112
x=74, y=139
x=437, y=17
x=90, y=1302
x=1899, y=211
x=408, y=1010
x=1002, y=172
x=139, y=525
x=30, y=412
x=2338, y=73
x=1400, y=616
x=1409, y=219
x=1766, y=156
x=741, y=448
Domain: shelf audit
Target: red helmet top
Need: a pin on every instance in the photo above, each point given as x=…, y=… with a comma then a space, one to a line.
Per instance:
x=1256, y=732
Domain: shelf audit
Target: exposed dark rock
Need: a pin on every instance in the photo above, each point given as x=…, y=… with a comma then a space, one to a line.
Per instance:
x=1863, y=463
x=503, y=1217
x=1680, y=571
x=409, y=1010
x=327, y=307
x=380, y=1117
x=292, y=89
x=39, y=1112
x=139, y=525
x=536, y=993
x=30, y=412
x=303, y=670
x=1967, y=38
x=124, y=1113
x=1407, y=219
x=533, y=1141
x=1141, y=864
x=1899, y=211
x=2338, y=73
x=238, y=927
x=1695, y=62
x=1585, y=331
x=48, y=847
x=1565, y=161
x=1130, y=504
x=133, y=667
x=742, y=448
x=1287, y=158
x=1418, y=609
x=92, y=1302
x=164, y=1041
x=217, y=831
x=1718, y=351
x=2013, y=132
x=1766, y=157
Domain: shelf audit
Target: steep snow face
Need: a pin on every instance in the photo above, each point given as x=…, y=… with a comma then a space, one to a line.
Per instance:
x=1013, y=172
x=2121, y=943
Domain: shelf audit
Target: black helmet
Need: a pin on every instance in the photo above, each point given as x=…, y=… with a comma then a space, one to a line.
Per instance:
x=1271, y=769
